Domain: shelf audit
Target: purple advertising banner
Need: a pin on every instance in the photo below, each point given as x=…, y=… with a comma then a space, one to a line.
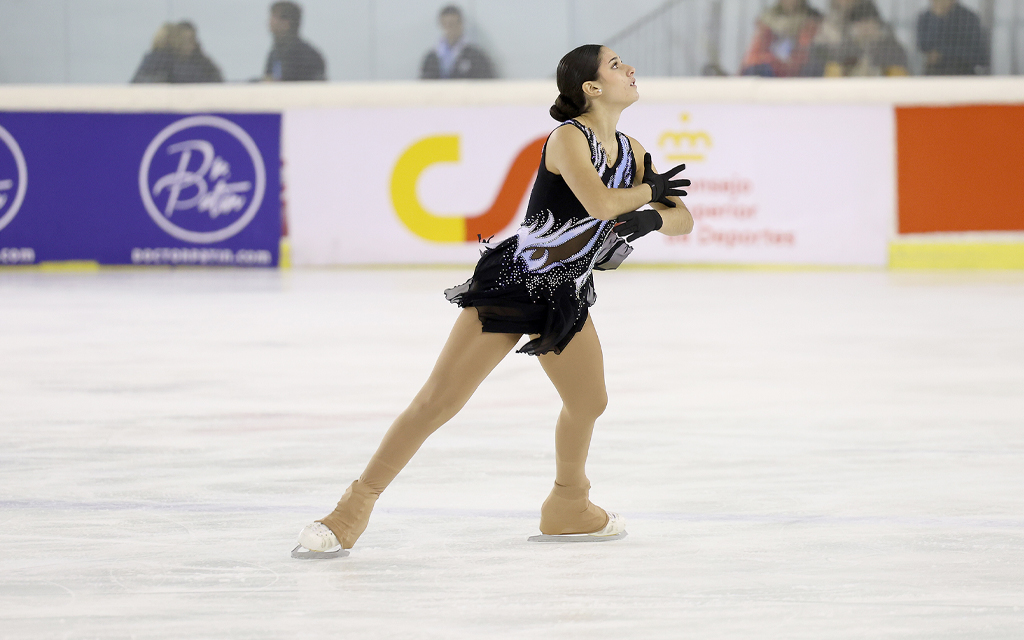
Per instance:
x=144, y=189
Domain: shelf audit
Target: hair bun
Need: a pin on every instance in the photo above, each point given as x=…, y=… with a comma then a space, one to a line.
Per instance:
x=577, y=67
x=564, y=108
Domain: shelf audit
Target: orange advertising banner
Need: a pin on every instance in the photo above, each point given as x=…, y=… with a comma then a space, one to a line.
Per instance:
x=960, y=168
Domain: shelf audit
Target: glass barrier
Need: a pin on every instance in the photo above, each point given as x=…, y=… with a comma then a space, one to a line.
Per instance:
x=120, y=41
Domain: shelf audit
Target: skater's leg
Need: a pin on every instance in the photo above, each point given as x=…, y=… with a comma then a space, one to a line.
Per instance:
x=466, y=359
x=578, y=375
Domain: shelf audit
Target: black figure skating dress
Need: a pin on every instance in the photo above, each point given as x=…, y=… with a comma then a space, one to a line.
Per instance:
x=540, y=280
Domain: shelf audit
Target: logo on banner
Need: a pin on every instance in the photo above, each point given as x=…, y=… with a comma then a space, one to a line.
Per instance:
x=13, y=177
x=686, y=145
x=452, y=227
x=202, y=179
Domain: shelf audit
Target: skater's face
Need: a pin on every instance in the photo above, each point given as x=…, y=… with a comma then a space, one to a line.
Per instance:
x=616, y=80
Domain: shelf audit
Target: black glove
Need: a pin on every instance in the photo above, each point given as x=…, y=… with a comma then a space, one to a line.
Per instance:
x=661, y=186
x=637, y=224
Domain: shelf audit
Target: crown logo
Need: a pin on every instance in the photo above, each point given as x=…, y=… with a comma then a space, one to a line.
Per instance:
x=682, y=146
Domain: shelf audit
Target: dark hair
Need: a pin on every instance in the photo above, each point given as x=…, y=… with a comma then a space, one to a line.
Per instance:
x=288, y=11
x=576, y=67
x=450, y=10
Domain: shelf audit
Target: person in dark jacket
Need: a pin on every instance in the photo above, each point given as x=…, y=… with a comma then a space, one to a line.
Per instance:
x=157, y=63
x=950, y=36
x=292, y=59
x=190, y=63
x=176, y=57
x=454, y=57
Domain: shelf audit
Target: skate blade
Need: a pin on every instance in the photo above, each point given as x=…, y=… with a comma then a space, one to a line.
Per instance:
x=303, y=553
x=577, y=537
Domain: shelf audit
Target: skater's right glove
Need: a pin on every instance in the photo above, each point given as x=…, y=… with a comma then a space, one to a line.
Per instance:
x=637, y=224
x=661, y=186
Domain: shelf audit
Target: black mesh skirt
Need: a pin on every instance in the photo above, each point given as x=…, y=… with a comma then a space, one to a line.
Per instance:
x=509, y=307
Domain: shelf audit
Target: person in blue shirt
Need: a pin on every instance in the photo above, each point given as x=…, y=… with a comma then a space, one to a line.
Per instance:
x=292, y=59
x=454, y=57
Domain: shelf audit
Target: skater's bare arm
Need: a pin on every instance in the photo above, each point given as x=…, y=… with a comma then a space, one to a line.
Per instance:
x=675, y=221
x=568, y=155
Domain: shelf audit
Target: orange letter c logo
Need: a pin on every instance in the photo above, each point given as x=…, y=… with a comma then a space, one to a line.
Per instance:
x=437, y=228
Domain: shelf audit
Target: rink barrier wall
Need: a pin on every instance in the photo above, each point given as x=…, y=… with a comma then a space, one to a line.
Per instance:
x=956, y=255
x=958, y=171
x=140, y=189
x=960, y=183
x=275, y=98
x=947, y=152
x=425, y=180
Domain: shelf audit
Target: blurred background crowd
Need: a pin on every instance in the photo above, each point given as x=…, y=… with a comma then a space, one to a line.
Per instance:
x=852, y=39
x=191, y=41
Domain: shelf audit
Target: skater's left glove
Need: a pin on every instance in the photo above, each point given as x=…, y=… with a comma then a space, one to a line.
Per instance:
x=637, y=224
x=661, y=184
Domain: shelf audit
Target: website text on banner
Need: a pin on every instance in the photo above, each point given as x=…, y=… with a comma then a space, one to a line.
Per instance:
x=772, y=184
x=140, y=189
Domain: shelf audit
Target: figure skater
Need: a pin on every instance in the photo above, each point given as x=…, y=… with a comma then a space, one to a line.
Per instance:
x=539, y=282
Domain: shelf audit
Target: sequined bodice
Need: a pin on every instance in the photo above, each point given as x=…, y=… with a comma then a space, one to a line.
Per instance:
x=558, y=240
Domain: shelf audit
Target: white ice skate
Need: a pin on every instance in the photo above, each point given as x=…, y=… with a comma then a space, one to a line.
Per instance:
x=317, y=542
x=614, y=530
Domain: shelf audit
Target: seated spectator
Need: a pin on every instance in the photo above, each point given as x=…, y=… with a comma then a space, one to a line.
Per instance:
x=831, y=36
x=454, y=56
x=782, y=41
x=292, y=58
x=870, y=49
x=190, y=63
x=950, y=36
x=157, y=63
x=177, y=57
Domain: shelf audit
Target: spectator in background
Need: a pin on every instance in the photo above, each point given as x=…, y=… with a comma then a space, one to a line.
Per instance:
x=292, y=58
x=190, y=63
x=782, y=40
x=832, y=36
x=454, y=56
x=157, y=63
x=869, y=47
x=176, y=57
x=950, y=37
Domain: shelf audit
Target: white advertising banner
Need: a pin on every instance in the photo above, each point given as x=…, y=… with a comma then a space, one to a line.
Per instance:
x=772, y=184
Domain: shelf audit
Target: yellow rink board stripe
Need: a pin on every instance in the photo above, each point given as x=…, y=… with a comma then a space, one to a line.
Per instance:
x=284, y=254
x=64, y=266
x=902, y=255
x=956, y=255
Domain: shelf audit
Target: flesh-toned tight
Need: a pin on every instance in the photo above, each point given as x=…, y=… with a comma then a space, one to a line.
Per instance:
x=467, y=358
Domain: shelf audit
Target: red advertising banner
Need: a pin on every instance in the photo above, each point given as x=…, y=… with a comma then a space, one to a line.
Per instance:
x=960, y=168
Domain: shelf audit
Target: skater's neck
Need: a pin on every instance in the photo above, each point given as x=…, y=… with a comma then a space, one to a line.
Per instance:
x=603, y=121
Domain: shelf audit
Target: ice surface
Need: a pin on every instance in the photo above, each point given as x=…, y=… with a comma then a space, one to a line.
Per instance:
x=798, y=455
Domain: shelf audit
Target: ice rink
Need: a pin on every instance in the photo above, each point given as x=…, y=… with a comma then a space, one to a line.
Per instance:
x=798, y=454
